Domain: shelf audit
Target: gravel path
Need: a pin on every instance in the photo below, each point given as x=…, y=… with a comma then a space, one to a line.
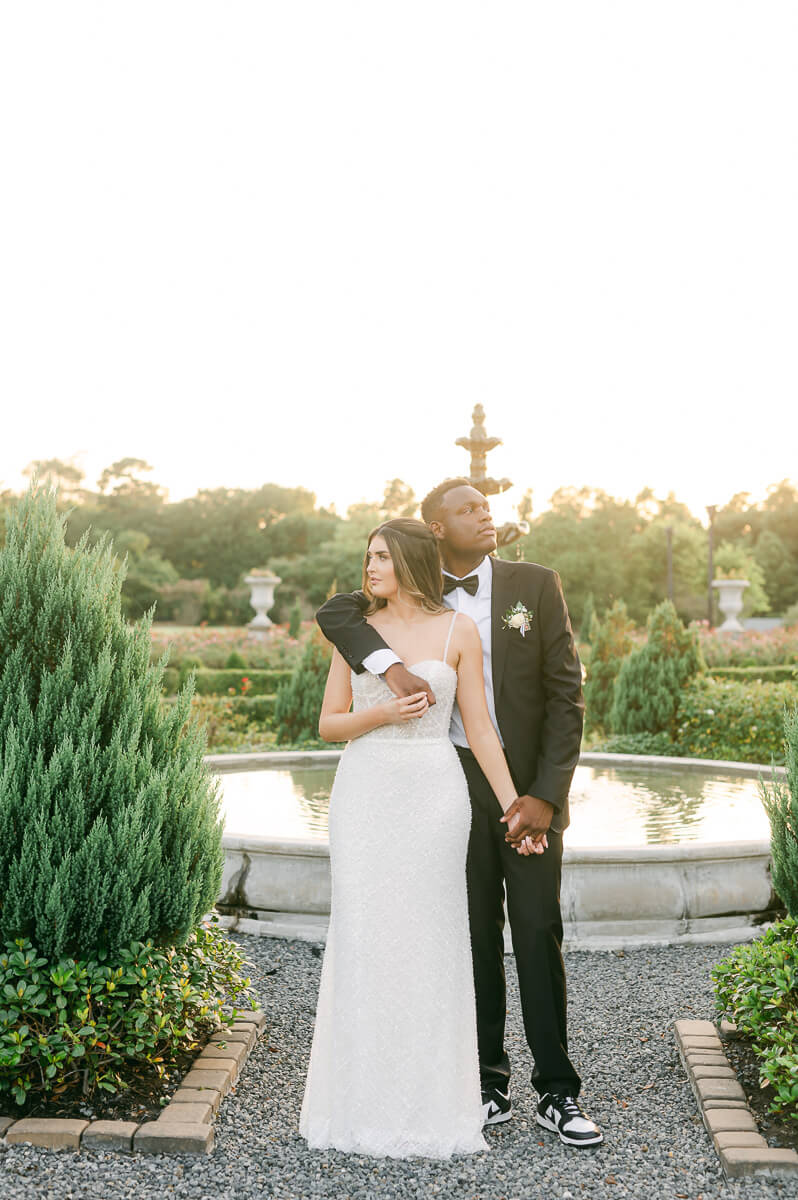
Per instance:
x=621, y=1008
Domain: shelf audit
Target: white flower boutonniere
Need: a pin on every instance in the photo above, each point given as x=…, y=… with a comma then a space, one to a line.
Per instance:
x=519, y=618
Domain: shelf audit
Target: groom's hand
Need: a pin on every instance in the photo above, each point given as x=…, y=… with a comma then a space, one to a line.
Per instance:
x=527, y=816
x=404, y=683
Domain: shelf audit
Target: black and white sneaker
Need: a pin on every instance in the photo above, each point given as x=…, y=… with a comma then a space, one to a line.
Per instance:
x=563, y=1116
x=496, y=1107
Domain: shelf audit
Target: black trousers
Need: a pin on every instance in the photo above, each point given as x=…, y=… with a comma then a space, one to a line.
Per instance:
x=533, y=904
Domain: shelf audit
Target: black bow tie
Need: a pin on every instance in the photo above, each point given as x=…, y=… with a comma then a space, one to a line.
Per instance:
x=470, y=583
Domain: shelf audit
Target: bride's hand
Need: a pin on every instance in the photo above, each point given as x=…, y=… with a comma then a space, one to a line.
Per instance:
x=528, y=846
x=406, y=708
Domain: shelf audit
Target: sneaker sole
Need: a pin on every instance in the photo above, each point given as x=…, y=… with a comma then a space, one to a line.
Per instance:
x=566, y=1141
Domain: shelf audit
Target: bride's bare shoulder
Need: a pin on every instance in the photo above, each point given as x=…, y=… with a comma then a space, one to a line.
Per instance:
x=465, y=629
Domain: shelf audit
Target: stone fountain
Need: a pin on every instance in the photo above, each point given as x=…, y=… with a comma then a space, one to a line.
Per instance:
x=478, y=443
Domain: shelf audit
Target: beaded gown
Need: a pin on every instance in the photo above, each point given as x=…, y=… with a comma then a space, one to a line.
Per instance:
x=393, y=1066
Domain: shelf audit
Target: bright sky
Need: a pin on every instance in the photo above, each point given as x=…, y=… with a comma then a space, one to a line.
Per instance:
x=296, y=242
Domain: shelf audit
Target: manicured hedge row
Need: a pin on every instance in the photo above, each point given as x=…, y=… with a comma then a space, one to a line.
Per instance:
x=786, y=673
x=218, y=683
x=259, y=709
x=724, y=718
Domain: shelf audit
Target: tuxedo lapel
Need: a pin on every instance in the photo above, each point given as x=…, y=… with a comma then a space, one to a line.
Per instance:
x=501, y=599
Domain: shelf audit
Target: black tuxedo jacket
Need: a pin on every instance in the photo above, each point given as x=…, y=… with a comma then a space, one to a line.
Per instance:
x=537, y=679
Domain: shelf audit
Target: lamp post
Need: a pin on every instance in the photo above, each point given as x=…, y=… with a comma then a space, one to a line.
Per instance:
x=711, y=510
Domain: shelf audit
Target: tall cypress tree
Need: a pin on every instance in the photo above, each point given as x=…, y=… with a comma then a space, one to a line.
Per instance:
x=650, y=680
x=109, y=821
x=611, y=644
x=781, y=805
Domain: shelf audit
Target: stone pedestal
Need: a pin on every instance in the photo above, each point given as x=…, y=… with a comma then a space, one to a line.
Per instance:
x=730, y=602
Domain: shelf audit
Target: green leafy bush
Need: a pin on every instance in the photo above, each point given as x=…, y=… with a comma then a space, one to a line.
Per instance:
x=97, y=1020
x=109, y=821
x=298, y=704
x=235, y=661
x=757, y=987
x=611, y=644
x=724, y=719
x=651, y=679
x=781, y=804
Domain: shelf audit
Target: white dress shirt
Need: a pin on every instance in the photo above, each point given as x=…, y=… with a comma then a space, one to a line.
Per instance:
x=478, y=608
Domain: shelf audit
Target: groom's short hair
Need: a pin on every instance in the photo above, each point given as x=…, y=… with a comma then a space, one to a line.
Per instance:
x=431, y=504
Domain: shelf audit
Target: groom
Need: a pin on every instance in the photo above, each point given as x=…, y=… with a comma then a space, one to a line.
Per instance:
x=533, y=684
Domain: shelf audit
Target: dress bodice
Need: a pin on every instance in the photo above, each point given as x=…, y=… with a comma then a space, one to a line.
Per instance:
x=368, y=690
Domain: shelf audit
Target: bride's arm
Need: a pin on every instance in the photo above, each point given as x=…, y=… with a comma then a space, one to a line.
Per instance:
x=482, y=739
x=338, y=724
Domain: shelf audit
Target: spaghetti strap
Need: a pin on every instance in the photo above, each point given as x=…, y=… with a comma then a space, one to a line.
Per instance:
x=449, y=635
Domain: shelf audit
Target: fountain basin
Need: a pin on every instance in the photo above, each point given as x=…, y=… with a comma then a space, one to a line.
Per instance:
x=612, y=896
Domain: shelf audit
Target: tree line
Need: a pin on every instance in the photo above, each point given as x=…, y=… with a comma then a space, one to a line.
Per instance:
x=190, y=556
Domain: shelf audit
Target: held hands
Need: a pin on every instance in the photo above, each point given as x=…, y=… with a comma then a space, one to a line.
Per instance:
x=406, y=708
x=527, y=820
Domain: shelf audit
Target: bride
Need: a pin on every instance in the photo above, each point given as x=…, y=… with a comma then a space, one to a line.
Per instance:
x=393, y=1066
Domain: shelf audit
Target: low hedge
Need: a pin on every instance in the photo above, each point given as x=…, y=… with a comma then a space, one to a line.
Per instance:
x=724, y=718
x=785, y=673
x=259, y=709
x=757, y=987
x=219, y=683
x=97, y=1022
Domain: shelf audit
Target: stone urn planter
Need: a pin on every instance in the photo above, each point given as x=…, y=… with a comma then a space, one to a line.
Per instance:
x=262, y=586
x=730, y=602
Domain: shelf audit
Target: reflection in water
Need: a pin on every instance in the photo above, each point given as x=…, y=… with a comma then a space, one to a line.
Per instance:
x=610, y=806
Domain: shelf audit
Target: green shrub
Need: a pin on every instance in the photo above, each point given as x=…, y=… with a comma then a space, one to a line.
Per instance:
x=298, y=704
x=589, y=622
x=650, y=680
x=97, y=1020
x=757, y=987
x=729, y=720
x=611, y=644
x=295, y=621
x=782, y=674
x=781, y=804
x=219, y=683
x=235, y=661
x=635, y=743
x=109, y=821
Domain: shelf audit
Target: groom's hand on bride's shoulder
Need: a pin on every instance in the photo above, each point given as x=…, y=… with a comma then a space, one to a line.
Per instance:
x=404, y=683
x=527, y=816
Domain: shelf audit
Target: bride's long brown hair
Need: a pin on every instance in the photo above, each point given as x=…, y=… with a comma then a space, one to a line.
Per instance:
x=416, y=563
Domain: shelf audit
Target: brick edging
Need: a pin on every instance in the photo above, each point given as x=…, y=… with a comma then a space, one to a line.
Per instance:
x=186, y=1125
x=721, y=1101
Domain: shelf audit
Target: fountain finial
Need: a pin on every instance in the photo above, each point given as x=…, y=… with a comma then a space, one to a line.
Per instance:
x=478, y=443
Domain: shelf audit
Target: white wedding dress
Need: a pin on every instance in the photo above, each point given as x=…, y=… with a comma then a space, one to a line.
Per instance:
x=393, y=1066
